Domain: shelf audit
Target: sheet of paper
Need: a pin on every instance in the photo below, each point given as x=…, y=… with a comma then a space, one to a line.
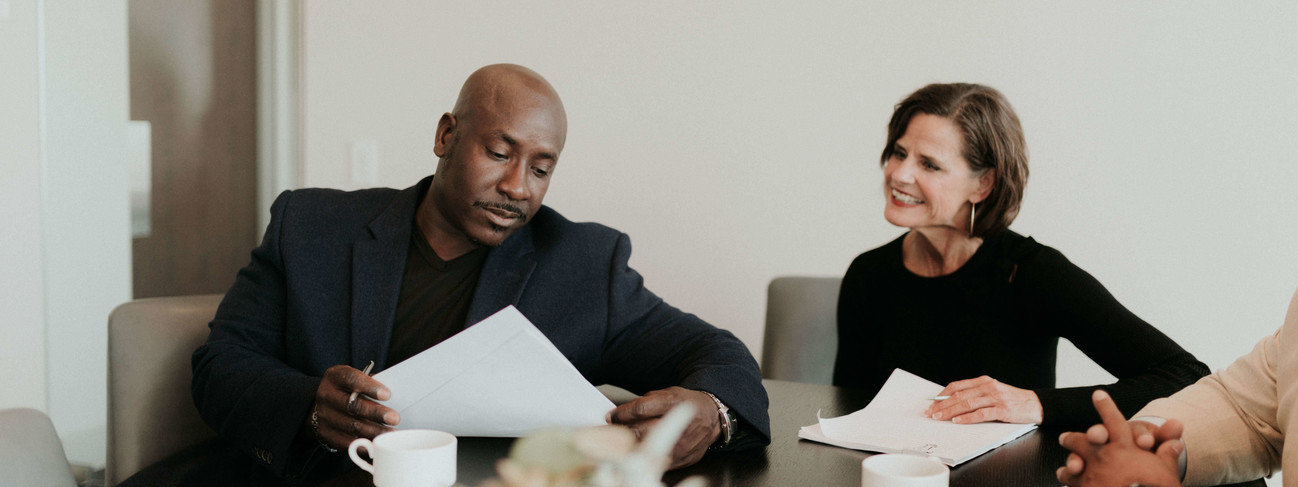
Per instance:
x=500, y=377
x=893, y=422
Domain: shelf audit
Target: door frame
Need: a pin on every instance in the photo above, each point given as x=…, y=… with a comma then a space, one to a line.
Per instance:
x=279, y=95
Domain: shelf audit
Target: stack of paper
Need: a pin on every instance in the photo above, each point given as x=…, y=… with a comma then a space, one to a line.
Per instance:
x=500, y=377
x=894, y=423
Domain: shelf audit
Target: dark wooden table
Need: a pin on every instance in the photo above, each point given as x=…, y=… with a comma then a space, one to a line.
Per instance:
x=1028, y=461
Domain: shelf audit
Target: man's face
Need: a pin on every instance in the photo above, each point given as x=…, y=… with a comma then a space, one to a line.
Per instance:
x=495, y=166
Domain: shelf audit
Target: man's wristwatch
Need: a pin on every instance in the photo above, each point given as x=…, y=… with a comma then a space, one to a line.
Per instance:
x=728, y=422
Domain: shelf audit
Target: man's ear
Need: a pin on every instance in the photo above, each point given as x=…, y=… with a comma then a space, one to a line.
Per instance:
x=444, y=135
x=985, y=182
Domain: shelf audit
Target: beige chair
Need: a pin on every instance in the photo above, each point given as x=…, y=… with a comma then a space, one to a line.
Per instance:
x=801, y=329
x=151, y=413
x=31, y=454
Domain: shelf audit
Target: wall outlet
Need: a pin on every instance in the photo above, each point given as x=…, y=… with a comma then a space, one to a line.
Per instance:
x=365, y=162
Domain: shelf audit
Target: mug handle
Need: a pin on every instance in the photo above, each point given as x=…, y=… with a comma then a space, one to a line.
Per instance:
x=351, y=452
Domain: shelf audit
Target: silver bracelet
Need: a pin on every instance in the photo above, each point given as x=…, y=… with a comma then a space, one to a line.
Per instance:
x=315, y=431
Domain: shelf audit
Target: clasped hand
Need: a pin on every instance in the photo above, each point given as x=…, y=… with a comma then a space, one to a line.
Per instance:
x=985, y=399
x=341, y=420
x=644, y=412
x=1119, y=452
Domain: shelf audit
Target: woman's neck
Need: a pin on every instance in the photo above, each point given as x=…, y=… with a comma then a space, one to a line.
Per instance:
x=937, y=251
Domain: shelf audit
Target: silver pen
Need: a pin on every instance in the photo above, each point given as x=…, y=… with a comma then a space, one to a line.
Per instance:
x=352, y=400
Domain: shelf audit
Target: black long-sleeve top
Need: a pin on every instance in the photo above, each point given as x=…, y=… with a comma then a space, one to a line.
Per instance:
x=1001, y=315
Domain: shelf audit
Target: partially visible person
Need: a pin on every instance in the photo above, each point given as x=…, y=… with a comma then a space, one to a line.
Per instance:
x=960, y=299
x=1232, y=424
x=1123, y=454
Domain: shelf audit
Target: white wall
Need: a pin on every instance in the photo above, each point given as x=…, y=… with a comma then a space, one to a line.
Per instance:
x=22, y=331
x=66, y=216
x=85, y=209
x=738, y=141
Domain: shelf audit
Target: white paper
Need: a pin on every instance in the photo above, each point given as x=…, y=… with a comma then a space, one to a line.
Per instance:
x=500, y=377
x=894, y=422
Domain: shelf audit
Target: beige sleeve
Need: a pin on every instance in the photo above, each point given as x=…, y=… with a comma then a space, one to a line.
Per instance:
x=1231, y=432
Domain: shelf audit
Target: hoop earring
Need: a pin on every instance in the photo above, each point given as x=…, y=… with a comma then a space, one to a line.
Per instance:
x=973, y=208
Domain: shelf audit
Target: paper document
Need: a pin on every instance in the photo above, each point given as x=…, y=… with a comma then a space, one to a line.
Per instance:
x=500, y=377
x=894, y=422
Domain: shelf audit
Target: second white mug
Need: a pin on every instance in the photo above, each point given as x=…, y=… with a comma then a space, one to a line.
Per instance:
x=409, y=458
x=889, y=470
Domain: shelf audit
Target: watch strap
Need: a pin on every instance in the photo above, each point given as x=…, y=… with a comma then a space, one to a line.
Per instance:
x=727, y=420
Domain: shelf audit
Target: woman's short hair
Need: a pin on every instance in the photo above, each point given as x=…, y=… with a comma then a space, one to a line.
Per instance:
x=993, y=140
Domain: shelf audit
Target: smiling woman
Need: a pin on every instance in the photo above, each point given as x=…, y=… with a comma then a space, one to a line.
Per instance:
x=963, y=300
x=929, y=182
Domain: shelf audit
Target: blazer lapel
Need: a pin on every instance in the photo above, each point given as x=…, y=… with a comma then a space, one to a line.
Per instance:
x=504, y=276
x=378, y=266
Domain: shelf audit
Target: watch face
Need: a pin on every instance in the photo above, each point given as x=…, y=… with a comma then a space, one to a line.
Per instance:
x=728, y=429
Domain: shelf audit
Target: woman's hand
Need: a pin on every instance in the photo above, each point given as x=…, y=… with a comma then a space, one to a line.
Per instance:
x=986, y=399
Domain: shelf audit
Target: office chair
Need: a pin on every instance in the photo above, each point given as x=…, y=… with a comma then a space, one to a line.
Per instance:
x=151, y=413
x=801, y=339
x=31, y=454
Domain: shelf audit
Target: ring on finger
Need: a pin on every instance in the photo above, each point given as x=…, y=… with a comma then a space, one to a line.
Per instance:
x=351, y=403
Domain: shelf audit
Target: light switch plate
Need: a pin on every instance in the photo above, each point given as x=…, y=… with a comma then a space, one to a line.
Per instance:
x=4, y=9
x=365, y=162
x=139, y=155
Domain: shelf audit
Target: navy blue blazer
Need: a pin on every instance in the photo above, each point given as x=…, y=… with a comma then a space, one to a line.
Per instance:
x=322, y=289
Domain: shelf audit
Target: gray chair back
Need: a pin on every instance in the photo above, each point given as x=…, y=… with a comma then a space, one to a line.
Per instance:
x=151, y=412
x=31, y=454
x=801, y=338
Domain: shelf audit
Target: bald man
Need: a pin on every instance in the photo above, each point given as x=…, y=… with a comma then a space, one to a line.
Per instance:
x=343, y=278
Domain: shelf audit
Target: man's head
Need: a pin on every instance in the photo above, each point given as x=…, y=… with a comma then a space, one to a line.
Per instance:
x=497, y=149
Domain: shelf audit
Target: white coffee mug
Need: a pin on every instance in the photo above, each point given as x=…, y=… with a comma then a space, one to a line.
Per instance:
x=409, y=458
x=903, y=471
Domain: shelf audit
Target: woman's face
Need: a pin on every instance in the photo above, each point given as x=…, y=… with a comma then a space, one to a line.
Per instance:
x=927, y=182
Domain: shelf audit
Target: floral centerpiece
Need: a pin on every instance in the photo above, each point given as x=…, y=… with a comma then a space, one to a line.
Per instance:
x=599, y=456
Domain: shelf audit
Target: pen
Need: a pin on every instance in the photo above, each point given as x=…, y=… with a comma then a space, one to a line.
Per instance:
x=937, y=398
x=351, y=400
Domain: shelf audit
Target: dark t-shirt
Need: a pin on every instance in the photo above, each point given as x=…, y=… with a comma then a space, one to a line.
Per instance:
x=435, y=297
x=1001, y=315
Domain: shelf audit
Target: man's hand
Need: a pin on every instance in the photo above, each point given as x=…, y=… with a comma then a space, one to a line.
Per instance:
x=643, y=413
x=1111, y=454
x=339, y=420
x=1147, y=436
x=986, y=399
